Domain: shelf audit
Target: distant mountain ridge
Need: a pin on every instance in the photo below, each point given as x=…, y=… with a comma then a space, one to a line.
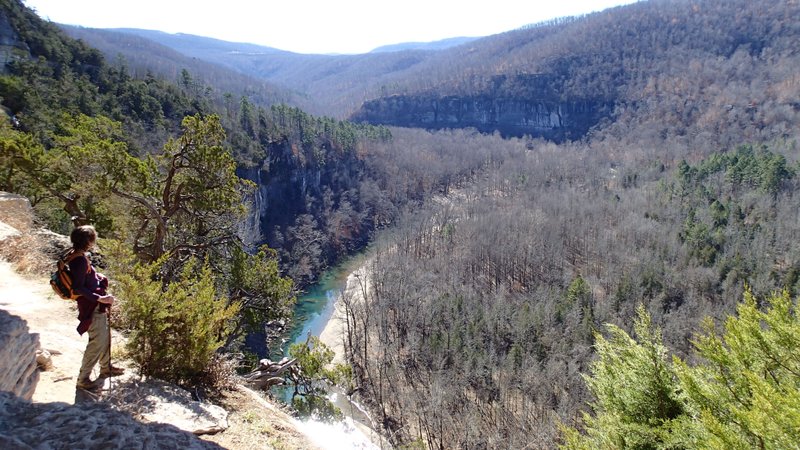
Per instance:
x=191, y=44
x=434, y=45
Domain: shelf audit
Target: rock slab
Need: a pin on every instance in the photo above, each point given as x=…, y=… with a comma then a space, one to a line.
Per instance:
x=15, y=210
x=18, y=368
x=25, y=425
x=154, y=401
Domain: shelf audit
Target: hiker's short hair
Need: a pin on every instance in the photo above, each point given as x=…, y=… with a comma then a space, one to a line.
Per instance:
x=82, y=237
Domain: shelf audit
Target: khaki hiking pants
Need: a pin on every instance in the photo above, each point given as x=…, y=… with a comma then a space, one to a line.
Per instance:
x=97, y=348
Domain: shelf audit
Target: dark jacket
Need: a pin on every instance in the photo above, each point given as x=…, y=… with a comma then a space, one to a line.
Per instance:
x=90, y=285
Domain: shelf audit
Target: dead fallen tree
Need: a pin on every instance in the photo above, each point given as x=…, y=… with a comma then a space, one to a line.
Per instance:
x=271, y=373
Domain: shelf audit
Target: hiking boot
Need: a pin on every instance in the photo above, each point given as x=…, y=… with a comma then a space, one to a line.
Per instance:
x=111, y=372
x=88, y=385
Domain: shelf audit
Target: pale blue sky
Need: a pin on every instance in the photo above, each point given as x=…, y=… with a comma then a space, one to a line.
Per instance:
x=316, y=26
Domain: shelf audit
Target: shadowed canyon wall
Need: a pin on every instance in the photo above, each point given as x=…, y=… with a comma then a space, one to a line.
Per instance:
x=510, y=116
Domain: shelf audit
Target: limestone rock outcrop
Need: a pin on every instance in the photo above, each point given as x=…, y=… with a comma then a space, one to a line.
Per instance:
x=25, y=425
x=11, y=47
x=8, y=232
x=15, y=211
x=155, y=401
x=18, y=368
x=511, y=116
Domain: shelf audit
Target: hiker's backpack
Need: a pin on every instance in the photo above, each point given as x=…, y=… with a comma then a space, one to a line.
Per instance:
x=61, y=279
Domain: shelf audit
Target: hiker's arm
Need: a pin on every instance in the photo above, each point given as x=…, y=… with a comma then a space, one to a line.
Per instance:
x=102, y=280
x=78, y=268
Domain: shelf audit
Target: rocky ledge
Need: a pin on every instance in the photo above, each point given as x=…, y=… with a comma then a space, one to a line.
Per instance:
x=25, y=425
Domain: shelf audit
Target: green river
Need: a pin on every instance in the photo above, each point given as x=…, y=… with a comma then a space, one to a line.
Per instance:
x=315, y=307
x=311, y=313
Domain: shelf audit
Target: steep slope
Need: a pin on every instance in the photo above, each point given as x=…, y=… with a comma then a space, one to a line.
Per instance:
x=142, y=53
x=297, y=159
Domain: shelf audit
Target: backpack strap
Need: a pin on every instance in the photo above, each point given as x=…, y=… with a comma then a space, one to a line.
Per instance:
x=72, y=254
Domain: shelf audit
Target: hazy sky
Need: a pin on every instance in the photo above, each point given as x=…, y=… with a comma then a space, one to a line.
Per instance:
x=316, y=26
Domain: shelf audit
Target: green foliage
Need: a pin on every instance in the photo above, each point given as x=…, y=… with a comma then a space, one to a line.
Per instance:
x=85, y=138
x=55, y=75
x=315, y=140
x=60, y=174
x=12, y=89
x=56, y=86
x=183, y=200
x=746, y=391
x=312, y=357
x=256, y=284
x=88, y=152
x=314, y=360
x=175, y=330
x=743, y=393
x=718, y=195
x=703, y=243
x=317, y=406
x=579, y=292
x=744, y=167
x=21, y=156
x=638, y=404
x=578, y=296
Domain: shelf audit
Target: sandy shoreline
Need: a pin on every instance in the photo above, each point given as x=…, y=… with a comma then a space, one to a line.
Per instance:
x=334, y=332
x=333, y=336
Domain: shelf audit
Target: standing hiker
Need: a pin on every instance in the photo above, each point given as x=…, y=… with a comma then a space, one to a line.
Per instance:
x=94, y=305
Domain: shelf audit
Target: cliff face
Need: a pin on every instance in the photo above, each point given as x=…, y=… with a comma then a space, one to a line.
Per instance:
x=282, y=185
x=307, y=206
x=511, y=116
x=11, y=46
x=250, y=228
x=8, y=42
x=285, y=184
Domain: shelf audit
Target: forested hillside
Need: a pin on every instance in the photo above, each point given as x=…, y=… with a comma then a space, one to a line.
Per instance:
x=650, y=61
x=50, y=81
x=141, y=56
x=483, y=306
x=332, y=85
x=160, y=169
x=323, y=186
